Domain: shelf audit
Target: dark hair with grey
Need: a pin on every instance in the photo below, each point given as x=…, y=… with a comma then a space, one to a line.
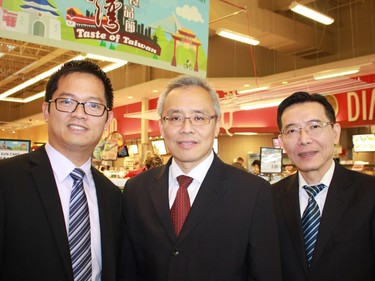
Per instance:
x=82, y=66
x=188, y=81
x=304, y=97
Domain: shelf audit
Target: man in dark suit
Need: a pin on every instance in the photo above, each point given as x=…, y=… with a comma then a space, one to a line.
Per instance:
x=339, y=243
x=230, y=231
x=35, y=188
x=239, y=164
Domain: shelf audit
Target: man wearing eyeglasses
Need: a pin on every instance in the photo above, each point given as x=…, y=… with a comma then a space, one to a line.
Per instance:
x=60, y=218
x=325, y=212
x=196, y=218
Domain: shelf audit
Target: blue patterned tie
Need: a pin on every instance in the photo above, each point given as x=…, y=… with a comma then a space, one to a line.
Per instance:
x=79, y=229
x=311, y=221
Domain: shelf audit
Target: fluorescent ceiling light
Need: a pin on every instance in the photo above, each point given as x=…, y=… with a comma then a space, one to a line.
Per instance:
x=29, y=82
x=246, y=133
x=310, y=13
x=335, y=73
x=252, y=90
x=259, y=104
x=237, y=36
x=25, y=100
x=116, y=63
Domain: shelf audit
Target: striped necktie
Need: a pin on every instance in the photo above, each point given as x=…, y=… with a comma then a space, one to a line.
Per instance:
x=79, y=229
x=311, y=221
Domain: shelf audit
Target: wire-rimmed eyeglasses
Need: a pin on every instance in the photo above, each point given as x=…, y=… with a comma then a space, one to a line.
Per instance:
x=313, y=128
x=178, y=120
x=70, y=105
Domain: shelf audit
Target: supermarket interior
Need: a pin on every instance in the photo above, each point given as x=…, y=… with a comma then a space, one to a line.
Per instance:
x=291, y=53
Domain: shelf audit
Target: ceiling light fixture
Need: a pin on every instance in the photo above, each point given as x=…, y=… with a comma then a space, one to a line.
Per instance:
x=310, y=13
x=29, y=82
x=252, y=90
x=116, y=63
x=245, y=133
x=335, y=73
x=259, y=104
x=237, y=37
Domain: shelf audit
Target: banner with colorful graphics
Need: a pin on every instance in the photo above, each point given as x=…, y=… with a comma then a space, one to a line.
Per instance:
x=10, y=148
x=168, y=34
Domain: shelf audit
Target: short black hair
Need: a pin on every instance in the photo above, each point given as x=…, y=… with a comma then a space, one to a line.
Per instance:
x=256, y=162
x=83, y=66
x=304, y=97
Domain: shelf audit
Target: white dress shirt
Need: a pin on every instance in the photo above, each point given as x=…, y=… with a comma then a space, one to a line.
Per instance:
x=320, y=198
x=62, y=167
x=198, y=174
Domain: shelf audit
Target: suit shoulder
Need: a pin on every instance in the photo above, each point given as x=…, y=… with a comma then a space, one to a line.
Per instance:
x=283, y=183
x=361, y=179
x=15, y=164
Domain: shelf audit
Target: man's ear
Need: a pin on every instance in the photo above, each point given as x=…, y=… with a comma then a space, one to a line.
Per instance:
x=45, y=109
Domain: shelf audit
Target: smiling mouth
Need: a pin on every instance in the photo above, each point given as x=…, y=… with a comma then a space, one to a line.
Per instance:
x=76, y=127
x=187, y=144
x=307, y=154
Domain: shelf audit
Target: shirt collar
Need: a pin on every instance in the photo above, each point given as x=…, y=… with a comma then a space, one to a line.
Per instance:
x=197, y=173
x=326, y=180
x=62, y=166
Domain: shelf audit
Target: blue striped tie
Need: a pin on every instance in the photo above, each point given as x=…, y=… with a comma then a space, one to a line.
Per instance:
x=311, y=221
x=79, y=229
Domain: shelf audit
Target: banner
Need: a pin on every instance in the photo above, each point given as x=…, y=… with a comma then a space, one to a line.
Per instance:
x=168, y=34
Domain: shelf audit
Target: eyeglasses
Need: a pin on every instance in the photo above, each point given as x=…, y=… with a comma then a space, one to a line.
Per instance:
x=70, y=105
x=178, y=120
x=313, y=129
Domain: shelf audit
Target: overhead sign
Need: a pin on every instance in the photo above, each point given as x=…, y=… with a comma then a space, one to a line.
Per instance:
x=170, y=34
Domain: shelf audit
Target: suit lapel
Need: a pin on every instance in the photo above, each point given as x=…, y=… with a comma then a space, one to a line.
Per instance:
x=210, y=191
x=208, y=194
x=105, y=224
x=339, y=194
x=291, y=212
x=158, y=190
x=46, y=187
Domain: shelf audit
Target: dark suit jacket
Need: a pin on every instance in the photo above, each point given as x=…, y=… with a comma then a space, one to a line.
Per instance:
x=230, y=233
x=345, y=248
x=33, y=238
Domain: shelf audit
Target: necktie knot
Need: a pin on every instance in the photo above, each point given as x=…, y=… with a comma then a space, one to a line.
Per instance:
x=313, y=190
x=77, y=174
x=184, y=181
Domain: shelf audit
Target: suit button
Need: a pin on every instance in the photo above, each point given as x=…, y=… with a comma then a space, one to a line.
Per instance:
x=175, y=252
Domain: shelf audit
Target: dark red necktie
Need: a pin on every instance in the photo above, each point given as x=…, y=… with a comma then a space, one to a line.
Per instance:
x=181, y=205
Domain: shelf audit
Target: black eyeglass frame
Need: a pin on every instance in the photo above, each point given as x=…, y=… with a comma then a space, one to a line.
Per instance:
x=77, y=104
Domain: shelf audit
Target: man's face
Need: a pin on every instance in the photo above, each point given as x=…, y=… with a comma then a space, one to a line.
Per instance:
x=76, y=132
x=312, y=153
x=189, y=144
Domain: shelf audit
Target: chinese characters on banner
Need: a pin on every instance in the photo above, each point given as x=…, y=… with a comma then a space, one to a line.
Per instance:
x=171, y=35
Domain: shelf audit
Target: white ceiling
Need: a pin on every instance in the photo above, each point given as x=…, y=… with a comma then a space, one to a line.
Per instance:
x=292, y=50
